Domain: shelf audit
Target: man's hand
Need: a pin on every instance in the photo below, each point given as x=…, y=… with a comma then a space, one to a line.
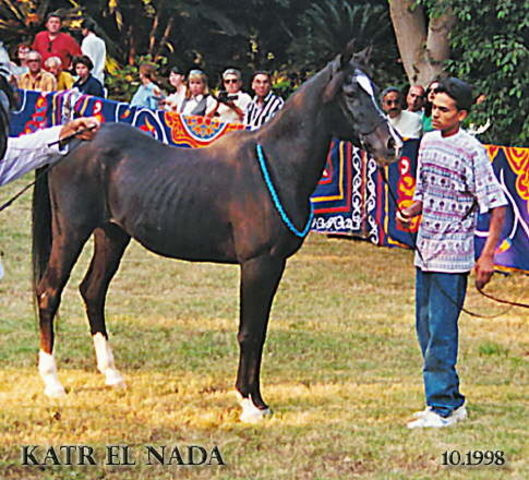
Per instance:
x=86, y=126
x=404, y=218
x=484, y=270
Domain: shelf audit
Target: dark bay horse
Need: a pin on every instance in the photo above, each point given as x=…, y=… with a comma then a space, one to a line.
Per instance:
x=213, y=204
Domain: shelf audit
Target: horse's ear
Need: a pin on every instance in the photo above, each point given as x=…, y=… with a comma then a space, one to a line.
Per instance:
x=333, y=87
x=364, y=56
x=347, y=54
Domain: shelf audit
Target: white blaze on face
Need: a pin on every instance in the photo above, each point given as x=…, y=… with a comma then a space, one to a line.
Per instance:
x=365, y=84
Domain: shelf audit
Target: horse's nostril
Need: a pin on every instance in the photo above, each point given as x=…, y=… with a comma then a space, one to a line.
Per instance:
x=391, y=144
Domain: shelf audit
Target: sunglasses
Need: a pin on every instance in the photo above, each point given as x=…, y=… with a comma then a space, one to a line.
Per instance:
x=392, y=102
x=231, y=80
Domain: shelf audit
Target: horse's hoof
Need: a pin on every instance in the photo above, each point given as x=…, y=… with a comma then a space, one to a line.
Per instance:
x=55, y=391
x=252, y=414
x=114, y=379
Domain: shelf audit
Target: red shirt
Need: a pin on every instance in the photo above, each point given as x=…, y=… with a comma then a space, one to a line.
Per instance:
x=63, y=46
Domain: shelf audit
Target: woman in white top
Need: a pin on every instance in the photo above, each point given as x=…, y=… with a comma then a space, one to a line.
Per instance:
x=197, y=101
x=173, y=102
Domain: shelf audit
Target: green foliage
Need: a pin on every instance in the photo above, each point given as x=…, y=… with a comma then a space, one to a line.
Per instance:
x=490, y=49
x=328, y=26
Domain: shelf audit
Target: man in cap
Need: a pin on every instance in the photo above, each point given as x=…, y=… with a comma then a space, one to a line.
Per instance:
x=408, y=124
x=232, y=102
x=454, y=180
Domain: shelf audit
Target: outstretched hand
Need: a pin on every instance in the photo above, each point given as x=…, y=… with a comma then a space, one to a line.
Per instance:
x=84, y=127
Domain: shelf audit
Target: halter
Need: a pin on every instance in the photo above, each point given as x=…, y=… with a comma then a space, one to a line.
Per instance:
x=277, y=202
x=365, y=84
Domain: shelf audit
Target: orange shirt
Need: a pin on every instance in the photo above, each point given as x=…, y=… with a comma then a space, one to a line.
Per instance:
x=43, y=82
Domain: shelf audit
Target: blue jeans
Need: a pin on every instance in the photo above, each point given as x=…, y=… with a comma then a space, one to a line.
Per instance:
x=439, y=298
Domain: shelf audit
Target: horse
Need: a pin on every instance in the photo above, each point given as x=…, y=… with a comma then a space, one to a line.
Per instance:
x=245, y=200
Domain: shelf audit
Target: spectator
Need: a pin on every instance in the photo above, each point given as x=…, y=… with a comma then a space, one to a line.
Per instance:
x=264, y=104
x=54, y=43
x=415, y=99
x=455, y=180
x=198, y=101
x=94, y=47
x=19, y=65
x=426, y=117
x=36, y=78
x=148, y=94
x=232, y=101
x=64, y=79
x=174, y=101
x=85, y=82
x=408, y=124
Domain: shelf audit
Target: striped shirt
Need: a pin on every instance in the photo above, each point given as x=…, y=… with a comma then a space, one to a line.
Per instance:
x=454, y=175
x=256, y=115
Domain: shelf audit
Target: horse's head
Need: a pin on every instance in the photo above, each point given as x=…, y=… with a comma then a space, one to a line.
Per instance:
x=355, y=114
x=7, y=101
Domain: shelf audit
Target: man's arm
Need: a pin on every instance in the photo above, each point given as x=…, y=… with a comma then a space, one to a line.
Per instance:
x=484, y=267
x=34, y=150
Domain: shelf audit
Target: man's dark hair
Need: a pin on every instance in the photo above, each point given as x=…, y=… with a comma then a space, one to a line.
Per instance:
x=83, y=59
x=54, y=14
x=176, y=69
x=89, y=24
x=458, y=90
x=262, y=72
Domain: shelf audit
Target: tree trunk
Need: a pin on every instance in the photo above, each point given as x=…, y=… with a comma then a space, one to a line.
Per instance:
x=423, y=43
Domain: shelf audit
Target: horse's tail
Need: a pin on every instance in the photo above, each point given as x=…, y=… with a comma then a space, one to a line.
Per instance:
x=41, y=227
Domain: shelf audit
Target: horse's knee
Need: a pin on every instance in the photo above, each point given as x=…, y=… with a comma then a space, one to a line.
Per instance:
x=250, y=339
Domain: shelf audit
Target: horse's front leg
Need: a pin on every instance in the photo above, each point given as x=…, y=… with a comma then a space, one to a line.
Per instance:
x=259, y=280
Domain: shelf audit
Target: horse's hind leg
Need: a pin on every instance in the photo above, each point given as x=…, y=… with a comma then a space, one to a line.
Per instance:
x=65, y=250
x=110, y=243
x=259, y=280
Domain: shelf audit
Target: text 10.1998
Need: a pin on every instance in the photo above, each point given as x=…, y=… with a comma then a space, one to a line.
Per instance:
x=473, y=458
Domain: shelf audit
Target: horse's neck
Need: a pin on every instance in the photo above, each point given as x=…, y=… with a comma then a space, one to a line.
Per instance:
x=297, y=142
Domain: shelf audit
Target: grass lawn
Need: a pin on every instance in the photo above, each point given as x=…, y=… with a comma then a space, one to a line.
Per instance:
x=341, y=370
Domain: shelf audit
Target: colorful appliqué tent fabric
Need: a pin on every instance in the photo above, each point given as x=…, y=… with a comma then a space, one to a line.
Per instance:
x=43, y=110
x=351, y=198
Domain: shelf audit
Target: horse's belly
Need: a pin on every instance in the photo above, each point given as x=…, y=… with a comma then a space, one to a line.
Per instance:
x=197, y=241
